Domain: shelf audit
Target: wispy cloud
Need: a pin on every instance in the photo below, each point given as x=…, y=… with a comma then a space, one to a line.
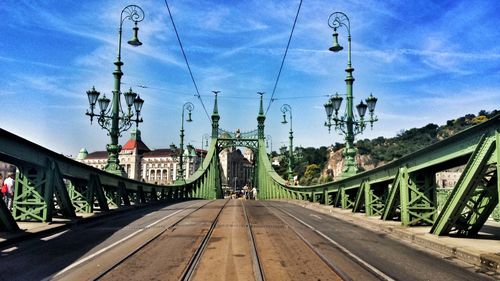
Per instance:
x=426, y=61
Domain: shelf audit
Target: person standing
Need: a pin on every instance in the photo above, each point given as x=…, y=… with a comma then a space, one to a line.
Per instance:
x=4, y=188
x=9, y=196
x=254, y=193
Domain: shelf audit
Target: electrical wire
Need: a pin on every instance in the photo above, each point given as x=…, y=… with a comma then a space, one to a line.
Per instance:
x=187, y=63
x=223, y=97
x=284, y=57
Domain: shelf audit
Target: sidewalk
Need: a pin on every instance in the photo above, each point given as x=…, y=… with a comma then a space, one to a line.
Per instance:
x=483, y=251
x=39, y=229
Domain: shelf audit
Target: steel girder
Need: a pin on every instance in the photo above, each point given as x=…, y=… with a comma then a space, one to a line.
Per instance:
x=47, y=183
x=39, y=191
x=476, y=194
x=78, y=197
x=368, y=201
x=412, y=199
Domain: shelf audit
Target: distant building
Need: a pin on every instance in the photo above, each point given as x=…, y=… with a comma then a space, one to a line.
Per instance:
x=237, y=167
x=447, y=179
x=6, y=168
x=157, y=166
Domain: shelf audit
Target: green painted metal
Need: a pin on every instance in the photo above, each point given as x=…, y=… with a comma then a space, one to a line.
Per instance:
x=374, y=203
x=475, y=195
x=189, y=107
x=95, y=191
x=122, y=192
x=367, y=201
x=60, y=191
x=412, y=199
x=359, y=202
x=347, y=124
x=77, y=194
x=29, y=203
x=116, y=120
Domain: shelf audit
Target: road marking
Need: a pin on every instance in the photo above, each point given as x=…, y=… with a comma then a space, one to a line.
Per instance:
x=316, y=216
x=9, y=249
x=54, y=236
x=371, y=267
x=75, y=264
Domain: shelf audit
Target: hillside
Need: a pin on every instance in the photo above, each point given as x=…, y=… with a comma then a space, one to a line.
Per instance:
x=320, y=165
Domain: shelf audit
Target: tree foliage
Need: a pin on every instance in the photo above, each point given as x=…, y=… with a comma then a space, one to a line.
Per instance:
x=309, y=163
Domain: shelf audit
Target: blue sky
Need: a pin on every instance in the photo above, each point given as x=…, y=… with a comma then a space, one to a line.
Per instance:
x=426, y=61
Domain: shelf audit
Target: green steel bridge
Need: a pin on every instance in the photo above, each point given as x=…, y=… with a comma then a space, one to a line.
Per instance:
x=48, y=183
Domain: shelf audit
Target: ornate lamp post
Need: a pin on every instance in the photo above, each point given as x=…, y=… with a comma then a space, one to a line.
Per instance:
x=284, y=109
x=115, y=120
x=189, y=107
x=269, y=139
x=347, y=124
x=204, y=143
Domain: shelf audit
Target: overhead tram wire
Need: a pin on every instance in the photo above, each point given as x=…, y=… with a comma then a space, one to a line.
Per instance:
x=284, y=57
x=185, y=59
x=173, y=92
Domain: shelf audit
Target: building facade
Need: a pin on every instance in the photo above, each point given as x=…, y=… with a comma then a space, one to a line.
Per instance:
x=158, y=166
x=237, y=168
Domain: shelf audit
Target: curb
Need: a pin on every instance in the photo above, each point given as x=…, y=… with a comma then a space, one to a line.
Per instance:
x=23, y=235
x=488, y=261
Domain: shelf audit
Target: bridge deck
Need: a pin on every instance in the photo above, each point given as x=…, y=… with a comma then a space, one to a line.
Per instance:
x=285, y=244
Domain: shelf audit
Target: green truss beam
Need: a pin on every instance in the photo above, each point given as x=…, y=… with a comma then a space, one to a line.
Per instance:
x=475, y=195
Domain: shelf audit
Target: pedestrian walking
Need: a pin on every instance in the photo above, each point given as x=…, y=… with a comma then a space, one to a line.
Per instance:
x=9, y=195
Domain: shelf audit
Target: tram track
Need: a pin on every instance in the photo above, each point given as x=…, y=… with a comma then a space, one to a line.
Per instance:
x=193, y=263
x=284, y=254
x=115, y=272
x=147, y=242
x=331, y=265
x=257, y=268
x=377, y=274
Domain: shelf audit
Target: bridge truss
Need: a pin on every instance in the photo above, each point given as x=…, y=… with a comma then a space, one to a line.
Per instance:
x=49, y=184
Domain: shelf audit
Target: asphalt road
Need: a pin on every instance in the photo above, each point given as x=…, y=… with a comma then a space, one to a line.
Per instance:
x=291, y=242
x=394, y=258
x=37, y=259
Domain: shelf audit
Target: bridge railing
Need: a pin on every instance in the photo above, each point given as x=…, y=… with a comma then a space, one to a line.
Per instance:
x=49, y=184
x=405, y=189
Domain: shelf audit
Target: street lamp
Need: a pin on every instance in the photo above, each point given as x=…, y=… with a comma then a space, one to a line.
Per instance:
x=204, y=143
x=347, y=124
x=269, y=139
x=189, y=107
x=284, y=109
x=190, y=154
x=115, y=120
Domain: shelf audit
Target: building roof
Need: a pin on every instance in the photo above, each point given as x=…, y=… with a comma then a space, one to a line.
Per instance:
x=135, y=141
x=200, y=152
x=162, y=152
x=131, y=144
x=97, y=155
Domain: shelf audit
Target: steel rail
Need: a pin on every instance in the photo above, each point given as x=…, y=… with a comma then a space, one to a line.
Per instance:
x=332, y=266
x=257, y=268
x=147, y=242
x=195, y=259
x=376, y=272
